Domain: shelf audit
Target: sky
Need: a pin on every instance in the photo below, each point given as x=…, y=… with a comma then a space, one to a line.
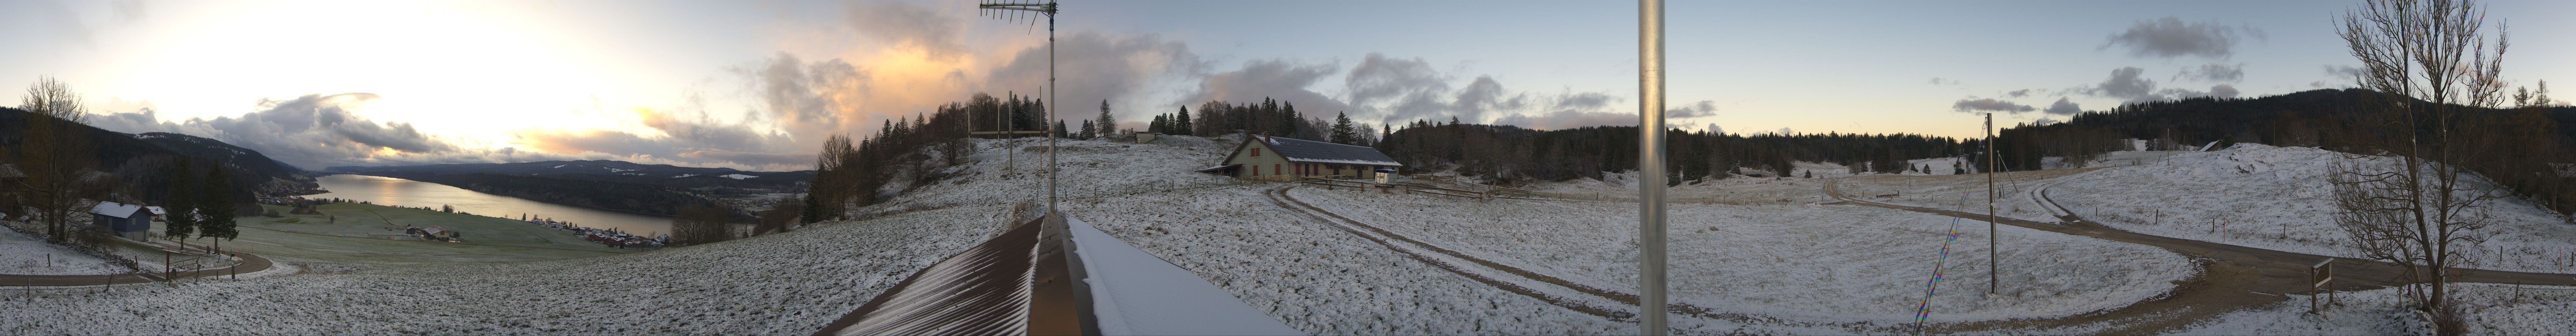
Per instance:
x=759, y=85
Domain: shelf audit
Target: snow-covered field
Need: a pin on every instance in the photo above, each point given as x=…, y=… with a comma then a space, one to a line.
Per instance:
x=2492, y=309
x=2278, y=198
x=1755, y=246
x=24, y=255
x=1802, y=262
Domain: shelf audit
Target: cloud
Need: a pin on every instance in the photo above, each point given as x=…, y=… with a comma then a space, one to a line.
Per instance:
x=1989, y=105
x=1704, y=108
x=2213, y=72
x=1094, y=67
x=1269, y=78
x=2125, y=84
x=909, y=24
x=1941, y=81
x=1713, y=129
x=2170, y=37
x=2018, y=93
x=313, y=131
x=1401, y=88
x=1565, y=119
x=2063, y=107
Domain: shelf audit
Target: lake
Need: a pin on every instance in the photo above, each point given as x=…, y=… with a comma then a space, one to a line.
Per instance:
x=408, y=193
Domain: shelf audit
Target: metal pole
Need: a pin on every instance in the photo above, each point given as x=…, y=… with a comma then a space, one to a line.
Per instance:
x=1050, y=122
x=1991, y=166
x=1650, y=167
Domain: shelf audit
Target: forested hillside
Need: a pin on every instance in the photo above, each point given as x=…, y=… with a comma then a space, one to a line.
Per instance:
x=141, y=164
x=2516, y=147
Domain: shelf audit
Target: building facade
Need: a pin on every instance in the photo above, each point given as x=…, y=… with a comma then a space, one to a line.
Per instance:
x=1284, y=159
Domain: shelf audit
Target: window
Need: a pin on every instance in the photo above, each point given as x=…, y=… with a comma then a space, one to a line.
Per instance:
x=1256, y=170
x=1256, y=152
x=1275, y=169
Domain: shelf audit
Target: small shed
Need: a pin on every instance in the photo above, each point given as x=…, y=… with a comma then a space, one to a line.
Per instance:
x=1283, y=159
x=158, y=214
x=127, y=220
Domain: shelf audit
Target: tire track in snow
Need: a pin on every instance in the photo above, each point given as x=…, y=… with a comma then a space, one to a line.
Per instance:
x=1623, y=314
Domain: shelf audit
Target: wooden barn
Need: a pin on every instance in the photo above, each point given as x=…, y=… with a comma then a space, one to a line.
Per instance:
x=129, y=221
x=1284, y=159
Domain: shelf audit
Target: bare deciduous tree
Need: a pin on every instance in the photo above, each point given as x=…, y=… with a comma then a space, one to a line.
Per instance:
x=2432, y=63
x=51, y=97
x=58, y=159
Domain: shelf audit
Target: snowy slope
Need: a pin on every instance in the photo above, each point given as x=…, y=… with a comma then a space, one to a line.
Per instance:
x=2278, y=198
x=2497, y=309
x=1813, y=263
x=25, y=255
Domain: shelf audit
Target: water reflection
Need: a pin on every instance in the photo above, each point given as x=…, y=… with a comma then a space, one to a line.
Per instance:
x=408, y=193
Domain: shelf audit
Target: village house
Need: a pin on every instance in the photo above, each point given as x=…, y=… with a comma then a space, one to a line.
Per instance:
x=1283, y=159
x=129, y=221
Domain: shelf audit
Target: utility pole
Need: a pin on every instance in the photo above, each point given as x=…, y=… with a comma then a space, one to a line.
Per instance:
x=1651, y=309
x=1991, y=280
x=1049, y=9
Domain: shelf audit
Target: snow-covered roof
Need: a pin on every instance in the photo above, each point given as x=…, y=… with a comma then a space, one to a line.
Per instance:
x=1325, y=152
x=156, y=210
x=988, y=289
x=434, y=230
x=114, y=209
x=1136, y=293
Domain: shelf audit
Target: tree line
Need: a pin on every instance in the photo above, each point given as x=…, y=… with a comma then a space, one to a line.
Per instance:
x=1505, y=153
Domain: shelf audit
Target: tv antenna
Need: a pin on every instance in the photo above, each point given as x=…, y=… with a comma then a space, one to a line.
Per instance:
x=1015, y=11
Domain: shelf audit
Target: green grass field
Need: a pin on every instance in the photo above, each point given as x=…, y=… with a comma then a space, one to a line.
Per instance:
x=366, y=233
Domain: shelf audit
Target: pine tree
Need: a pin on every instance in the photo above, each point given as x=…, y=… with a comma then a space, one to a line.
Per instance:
x=1342, y=131
x=1289, y=119
x=1087, y=131
x=1182, y=125
x=1108, y=126
x=216, y=207
x=181, y=208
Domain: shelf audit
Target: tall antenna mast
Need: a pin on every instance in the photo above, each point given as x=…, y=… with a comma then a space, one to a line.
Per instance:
x=1000, y=9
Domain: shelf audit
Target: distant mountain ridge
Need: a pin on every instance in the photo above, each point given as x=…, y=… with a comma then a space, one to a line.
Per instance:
x=134, y=157
x=201, y=147
x=604, y=171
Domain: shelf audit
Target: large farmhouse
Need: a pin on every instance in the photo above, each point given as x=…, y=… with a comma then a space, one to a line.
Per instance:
x=1282, y=159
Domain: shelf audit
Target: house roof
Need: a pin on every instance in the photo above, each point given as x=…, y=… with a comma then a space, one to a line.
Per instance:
x=10, y=170
x=114, y=209
x=435, y=230
x=1325, y=152
x=157, y=210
